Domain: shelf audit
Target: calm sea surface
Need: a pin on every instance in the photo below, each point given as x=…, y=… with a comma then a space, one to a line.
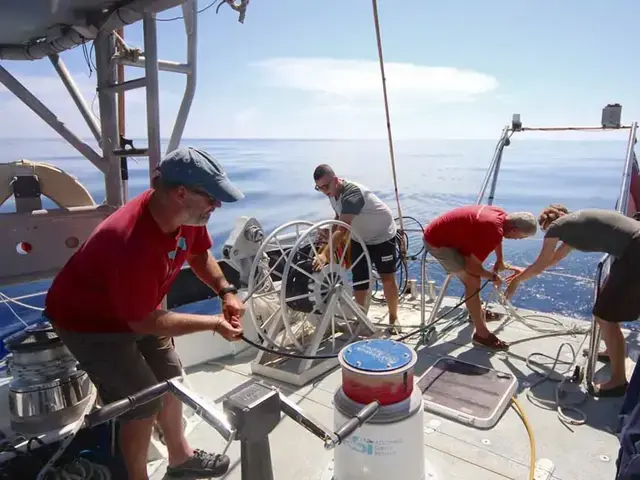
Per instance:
x=433, y=176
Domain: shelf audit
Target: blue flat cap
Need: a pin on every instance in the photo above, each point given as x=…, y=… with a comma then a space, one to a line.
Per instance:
x=195, y=168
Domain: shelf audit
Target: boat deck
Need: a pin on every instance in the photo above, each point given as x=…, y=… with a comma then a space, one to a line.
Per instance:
x=453, y=450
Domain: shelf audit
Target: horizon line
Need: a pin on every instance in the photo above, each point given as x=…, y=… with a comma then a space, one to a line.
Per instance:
x=332, y=139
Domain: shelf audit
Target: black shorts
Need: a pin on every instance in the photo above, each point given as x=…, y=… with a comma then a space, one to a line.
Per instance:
x=384, y=258
x=619, y=298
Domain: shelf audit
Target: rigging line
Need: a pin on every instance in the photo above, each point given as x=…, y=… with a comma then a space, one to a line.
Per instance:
x=386, y=109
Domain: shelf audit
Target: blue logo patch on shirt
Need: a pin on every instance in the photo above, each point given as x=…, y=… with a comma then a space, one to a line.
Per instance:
x=182, y=244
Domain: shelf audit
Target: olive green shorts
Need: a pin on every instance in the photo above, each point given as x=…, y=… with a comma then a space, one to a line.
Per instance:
x=121, y=364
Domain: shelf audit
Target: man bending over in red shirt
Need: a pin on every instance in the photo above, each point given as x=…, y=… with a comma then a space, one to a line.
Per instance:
x=105, y=303
x=462, y=239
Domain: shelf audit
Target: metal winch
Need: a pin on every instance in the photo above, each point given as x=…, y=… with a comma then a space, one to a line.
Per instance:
x=47, y=390
x=392, y=440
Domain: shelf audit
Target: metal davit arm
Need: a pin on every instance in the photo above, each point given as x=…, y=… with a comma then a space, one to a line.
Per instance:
x=604, y=265
x=190, y=12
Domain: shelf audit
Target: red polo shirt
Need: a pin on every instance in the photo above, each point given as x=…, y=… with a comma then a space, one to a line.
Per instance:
x=474, y=229
x=122, y=272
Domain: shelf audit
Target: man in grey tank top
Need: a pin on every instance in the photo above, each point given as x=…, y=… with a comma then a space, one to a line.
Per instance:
x=372, y=220
x=595, y=230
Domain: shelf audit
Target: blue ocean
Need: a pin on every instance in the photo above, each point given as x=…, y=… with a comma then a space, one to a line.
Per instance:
x=433, y=176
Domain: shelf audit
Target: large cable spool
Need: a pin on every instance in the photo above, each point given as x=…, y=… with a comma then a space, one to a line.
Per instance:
x=295, y=307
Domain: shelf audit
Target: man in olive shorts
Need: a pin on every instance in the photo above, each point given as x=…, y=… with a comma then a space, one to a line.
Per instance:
x=461, y=239
x=372, y=220
x=105, y=303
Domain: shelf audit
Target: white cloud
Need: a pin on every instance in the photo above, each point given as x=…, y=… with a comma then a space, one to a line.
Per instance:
x=343, y=84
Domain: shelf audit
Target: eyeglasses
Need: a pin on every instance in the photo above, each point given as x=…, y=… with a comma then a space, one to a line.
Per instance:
x=200, y=193
x=323, y=188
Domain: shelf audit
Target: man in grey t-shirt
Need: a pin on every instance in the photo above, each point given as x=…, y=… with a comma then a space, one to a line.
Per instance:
x=372, y=220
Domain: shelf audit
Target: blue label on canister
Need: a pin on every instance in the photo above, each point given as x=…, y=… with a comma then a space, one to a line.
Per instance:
x=379, y=355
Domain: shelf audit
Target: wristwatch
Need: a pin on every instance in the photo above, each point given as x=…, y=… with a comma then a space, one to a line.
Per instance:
x=224, y=291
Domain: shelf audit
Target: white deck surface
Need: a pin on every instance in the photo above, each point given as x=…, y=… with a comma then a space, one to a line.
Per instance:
x=456, y=451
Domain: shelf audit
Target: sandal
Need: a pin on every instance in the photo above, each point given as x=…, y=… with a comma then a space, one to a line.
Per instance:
x=491, y=342
x=491, y=316
x=618, y=391
x=394, y=329
x=201, y=465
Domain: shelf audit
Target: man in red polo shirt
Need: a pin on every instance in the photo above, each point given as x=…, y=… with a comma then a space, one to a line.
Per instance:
x=105, y=303
x=462, y=239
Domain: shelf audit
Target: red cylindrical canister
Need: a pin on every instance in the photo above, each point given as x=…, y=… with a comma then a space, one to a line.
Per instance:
x=379, y=369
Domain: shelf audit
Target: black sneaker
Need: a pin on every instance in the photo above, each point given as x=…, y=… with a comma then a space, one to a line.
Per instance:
x=200, y=465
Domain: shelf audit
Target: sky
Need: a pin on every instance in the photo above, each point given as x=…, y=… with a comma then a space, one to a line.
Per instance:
x=309, y=69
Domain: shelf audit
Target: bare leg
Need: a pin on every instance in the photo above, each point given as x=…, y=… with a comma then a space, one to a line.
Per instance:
x=361, y=297
x=615, y=347
x=134, y=439
x=390, y=288
x=170, y=419
x=474, y=304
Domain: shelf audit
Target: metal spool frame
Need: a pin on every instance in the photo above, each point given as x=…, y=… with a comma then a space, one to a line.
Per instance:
x=326, y=309
x=263, y=285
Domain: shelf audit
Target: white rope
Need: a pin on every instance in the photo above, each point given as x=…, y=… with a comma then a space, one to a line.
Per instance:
x=7, y=299
x=560, y=403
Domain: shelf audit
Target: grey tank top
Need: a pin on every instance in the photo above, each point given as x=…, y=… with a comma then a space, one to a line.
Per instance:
x=595, y=230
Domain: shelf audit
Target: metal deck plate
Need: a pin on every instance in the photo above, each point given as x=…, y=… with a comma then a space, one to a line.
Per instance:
x=468, y=393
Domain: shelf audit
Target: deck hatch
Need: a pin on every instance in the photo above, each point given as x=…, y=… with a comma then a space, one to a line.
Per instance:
x=466, y=392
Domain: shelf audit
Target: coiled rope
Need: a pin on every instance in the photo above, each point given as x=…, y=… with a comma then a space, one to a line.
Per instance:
x=560, y=402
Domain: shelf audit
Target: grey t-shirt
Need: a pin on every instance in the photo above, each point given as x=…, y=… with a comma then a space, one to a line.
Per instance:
x=373, y=219
x=595, y=230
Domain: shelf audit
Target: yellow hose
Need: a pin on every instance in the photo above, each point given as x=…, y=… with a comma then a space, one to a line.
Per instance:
x=532, y=441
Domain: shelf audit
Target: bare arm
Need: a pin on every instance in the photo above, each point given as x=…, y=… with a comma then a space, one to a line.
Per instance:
x=547, y=257
x=561, y=252
x=499, y=256
x=474, y=266
x=208, y=270
x=174, y=324
x=340, y=232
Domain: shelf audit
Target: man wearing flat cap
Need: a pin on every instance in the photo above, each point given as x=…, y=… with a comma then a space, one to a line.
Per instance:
x=105, y=303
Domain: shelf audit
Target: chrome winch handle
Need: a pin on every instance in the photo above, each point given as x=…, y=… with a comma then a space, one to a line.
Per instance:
x=218, y=419
x=211, y=415
x=330, y=439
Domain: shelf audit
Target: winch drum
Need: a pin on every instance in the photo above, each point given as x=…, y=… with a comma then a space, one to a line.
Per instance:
x=47, y=390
